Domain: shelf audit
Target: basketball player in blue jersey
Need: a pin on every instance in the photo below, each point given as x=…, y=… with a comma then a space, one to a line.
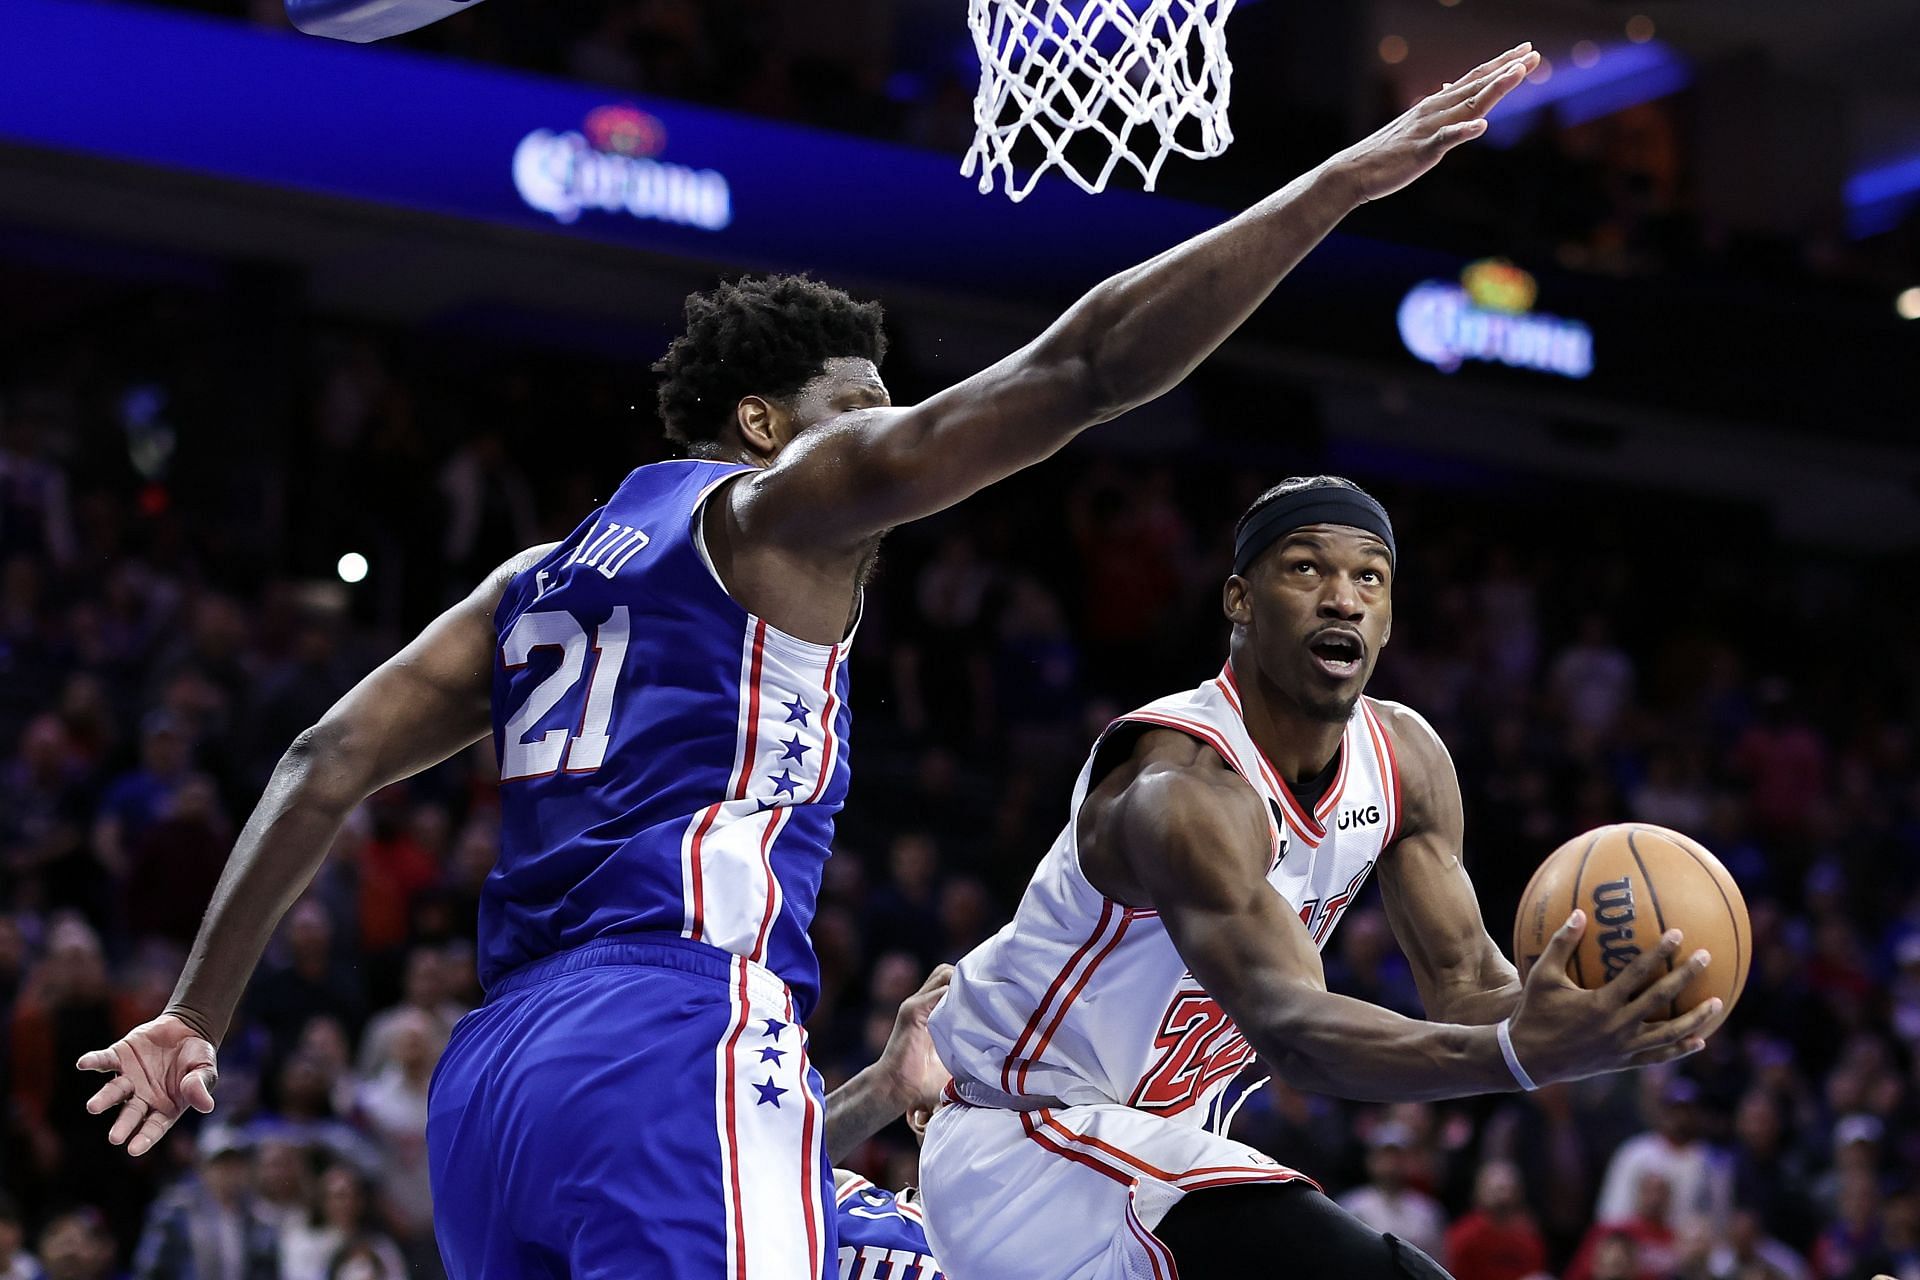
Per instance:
x=667, y=693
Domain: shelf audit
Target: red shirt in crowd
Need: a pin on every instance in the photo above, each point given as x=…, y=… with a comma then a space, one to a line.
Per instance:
x=1483, y=1247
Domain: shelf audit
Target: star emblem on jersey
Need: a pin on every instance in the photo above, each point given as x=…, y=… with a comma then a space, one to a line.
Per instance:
x=794, y=749
x=797, y=711
x=773, y=1055
x=769, y=1092
x=784, y=782
x=774, y=1028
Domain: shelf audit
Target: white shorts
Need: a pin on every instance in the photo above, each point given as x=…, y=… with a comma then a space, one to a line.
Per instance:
x=1071, y=1193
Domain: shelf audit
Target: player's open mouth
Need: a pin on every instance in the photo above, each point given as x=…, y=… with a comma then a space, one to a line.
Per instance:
x=1338, y=652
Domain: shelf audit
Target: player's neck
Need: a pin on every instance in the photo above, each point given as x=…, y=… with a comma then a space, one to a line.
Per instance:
x=1296, y=743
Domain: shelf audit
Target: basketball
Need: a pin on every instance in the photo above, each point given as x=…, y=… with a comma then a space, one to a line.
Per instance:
x=1635, y=881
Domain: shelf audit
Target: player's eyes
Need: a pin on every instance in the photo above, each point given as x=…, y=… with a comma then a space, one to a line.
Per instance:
x=1303, y=566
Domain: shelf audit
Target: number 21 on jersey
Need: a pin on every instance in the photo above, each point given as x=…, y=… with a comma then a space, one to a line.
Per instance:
x=582, y=749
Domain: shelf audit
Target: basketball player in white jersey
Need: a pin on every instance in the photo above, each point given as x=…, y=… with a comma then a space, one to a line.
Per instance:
x=1174, y=930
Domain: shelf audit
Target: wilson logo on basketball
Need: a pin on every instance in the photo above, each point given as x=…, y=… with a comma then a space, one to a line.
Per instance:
x=611, y=164
x=1359, y=818
x=1613, y=911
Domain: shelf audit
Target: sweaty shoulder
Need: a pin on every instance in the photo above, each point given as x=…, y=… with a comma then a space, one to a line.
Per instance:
x=1172, y=800
x=1428, y=784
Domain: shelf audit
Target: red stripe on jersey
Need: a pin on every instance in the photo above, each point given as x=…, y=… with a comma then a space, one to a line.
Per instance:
x=1026, y=1122
x=1392, y=776
x=1250, y=1173
x=1206, y=734
x=1061, y=1015
x=767, y=837
x=853, y=1187
x=809, y=1170
x=827, y=712
x=753, y=709
x=1159, y=1257
x=697, y=923
x=1046, y=1001
x=733, y=1147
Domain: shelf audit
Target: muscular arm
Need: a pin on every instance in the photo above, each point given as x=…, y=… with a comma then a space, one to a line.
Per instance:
x=1175, y=830
x=1192, y=839
x=1462, y=974
x=1130, y=339
x=419, y=707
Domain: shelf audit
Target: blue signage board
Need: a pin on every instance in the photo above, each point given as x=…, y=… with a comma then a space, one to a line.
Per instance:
x=399, y=128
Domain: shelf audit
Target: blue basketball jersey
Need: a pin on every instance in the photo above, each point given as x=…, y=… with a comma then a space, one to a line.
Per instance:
x=669, y=763
x=883, y=1235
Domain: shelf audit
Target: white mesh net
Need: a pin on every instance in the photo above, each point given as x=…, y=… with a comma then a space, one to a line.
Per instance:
x=1052, y=70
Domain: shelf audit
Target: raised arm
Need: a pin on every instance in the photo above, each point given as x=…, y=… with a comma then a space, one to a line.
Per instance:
x=419, y=707
x=1462, y=974
x=1186, y=837
x=1132, y=338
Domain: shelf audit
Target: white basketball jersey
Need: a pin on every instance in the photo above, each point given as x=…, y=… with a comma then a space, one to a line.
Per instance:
x=1081, y=1000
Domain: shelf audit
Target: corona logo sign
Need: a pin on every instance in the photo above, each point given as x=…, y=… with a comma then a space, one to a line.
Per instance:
x=612, y=164
x=1489, y=317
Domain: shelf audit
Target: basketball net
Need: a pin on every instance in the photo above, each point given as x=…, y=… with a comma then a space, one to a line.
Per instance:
x=1144, y=75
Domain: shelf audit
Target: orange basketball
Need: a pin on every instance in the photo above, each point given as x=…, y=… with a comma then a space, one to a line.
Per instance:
x=1635, y=881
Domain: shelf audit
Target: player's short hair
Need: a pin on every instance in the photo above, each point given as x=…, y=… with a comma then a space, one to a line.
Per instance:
x=1292, y=485
x=757, y=336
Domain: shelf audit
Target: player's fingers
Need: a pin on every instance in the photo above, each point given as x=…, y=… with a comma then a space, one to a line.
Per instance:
x=1483, y=95
x=1463, y=90
x=1668, y=1053
x=1656, y=1001
x=1691, y=1025
x=1520, y=50
x=1646, y=969
x=127, y=1121
x=939, y=979
x=1553, y=962
x=1454, y=134
x=197, y=1089
x=154, y=1129
x=100, y=1060
x=112, y=1093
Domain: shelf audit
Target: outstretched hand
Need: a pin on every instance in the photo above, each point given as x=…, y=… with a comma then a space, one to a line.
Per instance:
x=1562, y=1031
x=1410, y=145
x=159, y=1069
x=913, y=1070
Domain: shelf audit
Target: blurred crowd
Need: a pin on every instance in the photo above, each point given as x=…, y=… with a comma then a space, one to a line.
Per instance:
x=1588, y=654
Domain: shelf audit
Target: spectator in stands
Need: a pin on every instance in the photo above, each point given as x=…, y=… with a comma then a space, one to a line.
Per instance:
x=1746, y=1252
x=1592, y=679
x=1387, y=1203
x=308, y=985
x=1699, y=1188
x=342, y=1216
x=283, y=1181
x=393, y=1108
x=15, y=1262
x=77, y=1246
x=424, y=991
x=1647, y=1227
x=208, y=1227
x=139, y=798
x=1542, y=1134
x=1854, y=1238
x=1498, y=1239
x=1770, y=1175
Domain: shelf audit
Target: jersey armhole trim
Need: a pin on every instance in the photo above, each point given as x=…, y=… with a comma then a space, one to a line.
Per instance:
x=778, y=639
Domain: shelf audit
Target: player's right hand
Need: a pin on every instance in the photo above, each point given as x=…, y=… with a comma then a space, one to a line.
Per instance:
x=1415, y=141
x=1562, y=1031
x=159, y=1069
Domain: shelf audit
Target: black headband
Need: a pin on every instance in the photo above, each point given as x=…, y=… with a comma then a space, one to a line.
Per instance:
x=1332, y=504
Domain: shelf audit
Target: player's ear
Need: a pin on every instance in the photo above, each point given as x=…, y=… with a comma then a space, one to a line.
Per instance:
x=759, y=422
x=1233, y=601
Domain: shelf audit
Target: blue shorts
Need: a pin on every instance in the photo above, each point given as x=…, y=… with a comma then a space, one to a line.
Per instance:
x=631, y=1109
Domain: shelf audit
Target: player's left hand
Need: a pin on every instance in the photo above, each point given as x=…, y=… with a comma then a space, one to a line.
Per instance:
x=912, y=1070
x=1394, y=156
x=159, y=1070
